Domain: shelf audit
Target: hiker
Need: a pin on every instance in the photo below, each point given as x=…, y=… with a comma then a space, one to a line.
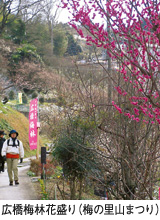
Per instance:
x=13, y=150
x=2, y=140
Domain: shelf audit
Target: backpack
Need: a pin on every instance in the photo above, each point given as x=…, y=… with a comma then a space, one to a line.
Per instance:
x=2, y=140
x=12, y=145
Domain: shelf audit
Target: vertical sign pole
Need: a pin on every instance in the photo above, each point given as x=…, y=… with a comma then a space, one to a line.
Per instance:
x=37, y=155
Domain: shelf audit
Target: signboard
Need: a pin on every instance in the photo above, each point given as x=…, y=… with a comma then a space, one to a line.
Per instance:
x=33, y=124
x=20, y=98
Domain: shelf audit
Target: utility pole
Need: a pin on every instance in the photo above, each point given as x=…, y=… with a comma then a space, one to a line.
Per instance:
x=52, y=21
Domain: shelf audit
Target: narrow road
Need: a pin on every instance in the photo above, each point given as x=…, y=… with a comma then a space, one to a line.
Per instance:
x=23, y=191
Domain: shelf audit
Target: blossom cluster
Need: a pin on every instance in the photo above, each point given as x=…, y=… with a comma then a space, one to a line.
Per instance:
x=134, y=41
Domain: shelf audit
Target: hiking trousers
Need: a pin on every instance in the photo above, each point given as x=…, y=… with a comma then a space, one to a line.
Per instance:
x=12, y=168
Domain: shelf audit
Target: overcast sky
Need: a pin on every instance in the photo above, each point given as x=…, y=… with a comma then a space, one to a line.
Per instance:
x=63, y=17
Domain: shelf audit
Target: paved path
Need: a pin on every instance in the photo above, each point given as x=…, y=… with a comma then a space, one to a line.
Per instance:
x=23, y=191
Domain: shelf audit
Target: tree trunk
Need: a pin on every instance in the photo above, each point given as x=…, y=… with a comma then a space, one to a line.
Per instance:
x=72, y=189
x=129, y=164
x=80, y=188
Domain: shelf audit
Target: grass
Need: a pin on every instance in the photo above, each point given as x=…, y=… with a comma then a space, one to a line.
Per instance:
x=12, y=102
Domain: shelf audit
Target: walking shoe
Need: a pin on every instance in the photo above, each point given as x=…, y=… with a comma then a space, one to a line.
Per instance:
x=16, y=182
x=11, y=183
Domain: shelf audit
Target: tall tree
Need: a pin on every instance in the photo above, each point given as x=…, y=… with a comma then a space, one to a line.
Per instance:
x=16, y=8
x=37, y=33
x=51, y=12
x=15, y=30
x=73, y=47
x=60, y=42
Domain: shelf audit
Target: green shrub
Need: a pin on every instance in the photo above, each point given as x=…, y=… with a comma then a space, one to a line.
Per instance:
x=24, y=99
x=26, y=51
x=41, y=100
x=30, y=173
x=11, y=95
x=34, y=95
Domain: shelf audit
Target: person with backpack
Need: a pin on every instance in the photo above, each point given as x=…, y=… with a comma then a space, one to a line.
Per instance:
x=13, y=150
x=2, y=140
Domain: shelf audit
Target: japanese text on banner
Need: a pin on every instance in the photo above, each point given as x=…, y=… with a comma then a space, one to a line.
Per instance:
x=33, y=124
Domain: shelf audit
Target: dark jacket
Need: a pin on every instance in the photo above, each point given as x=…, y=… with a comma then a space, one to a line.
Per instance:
x=2, y=140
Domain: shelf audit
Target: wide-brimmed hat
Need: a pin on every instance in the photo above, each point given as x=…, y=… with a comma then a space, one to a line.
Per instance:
x=2, y=132
x=12, y=132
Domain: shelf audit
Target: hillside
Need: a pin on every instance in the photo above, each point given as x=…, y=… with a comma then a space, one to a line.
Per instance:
x=11, y=119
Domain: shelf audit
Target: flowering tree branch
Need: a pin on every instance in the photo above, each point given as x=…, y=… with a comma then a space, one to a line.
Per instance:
x=134, y=42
